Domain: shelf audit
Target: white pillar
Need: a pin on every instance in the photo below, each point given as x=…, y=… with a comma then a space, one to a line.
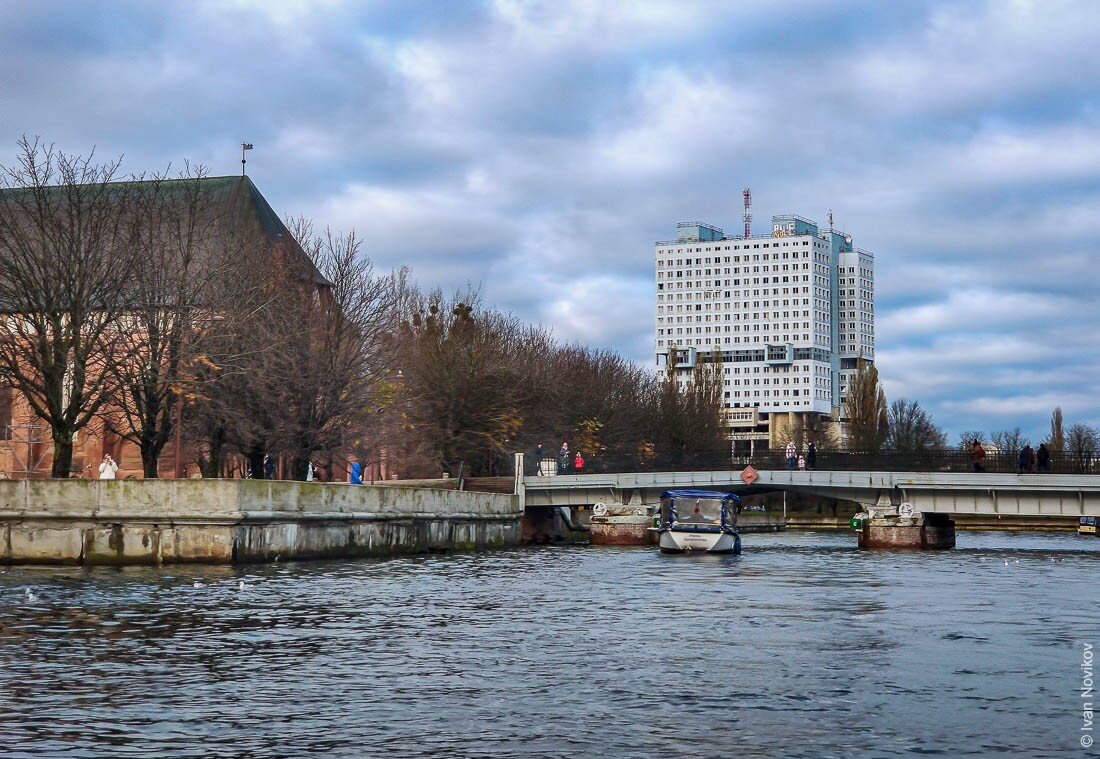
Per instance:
x=519, y=489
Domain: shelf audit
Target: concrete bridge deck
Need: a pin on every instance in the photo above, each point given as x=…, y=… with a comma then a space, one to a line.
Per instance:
x=945, y=493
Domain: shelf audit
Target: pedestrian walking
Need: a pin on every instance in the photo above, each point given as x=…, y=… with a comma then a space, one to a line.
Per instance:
x=792, y=455
x=108, y=468
x=811, y=456
x=538, y=460
x=578, y=463
x=563, y=458
x=356, y=473
x=802, y=463
x=269, y=467
x=1025, y=462
x=1044, y=458
x=977, y=456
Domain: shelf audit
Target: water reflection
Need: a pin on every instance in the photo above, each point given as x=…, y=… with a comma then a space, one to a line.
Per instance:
x=802, y=646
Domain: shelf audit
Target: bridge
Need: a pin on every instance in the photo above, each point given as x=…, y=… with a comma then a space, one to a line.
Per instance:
x=902, y=509
x=1064, y=495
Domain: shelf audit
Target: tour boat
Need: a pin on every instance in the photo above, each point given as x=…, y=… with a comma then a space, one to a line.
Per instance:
x=699, y=520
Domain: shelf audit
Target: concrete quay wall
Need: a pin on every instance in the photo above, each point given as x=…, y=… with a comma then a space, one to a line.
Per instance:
x=223, y=521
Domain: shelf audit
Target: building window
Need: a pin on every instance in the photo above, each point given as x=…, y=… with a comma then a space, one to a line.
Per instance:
x=7, y=403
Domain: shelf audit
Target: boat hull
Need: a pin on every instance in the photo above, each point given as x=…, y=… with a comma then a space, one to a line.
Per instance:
x=685, y=541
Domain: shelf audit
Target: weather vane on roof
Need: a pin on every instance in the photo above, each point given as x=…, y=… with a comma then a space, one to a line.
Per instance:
x=244, y=146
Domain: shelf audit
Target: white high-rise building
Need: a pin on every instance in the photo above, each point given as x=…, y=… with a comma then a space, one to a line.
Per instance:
x=786, y=315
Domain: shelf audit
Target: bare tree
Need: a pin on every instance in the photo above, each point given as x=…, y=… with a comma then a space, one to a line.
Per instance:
x=1010, y=441
x=67, y=250
x=1082, y=444
x=181, y=254
x=688, y=417
x=464, y=402
x=594, y=398
x=865, y=409
x=230, y=379
x=328, y=351
x=912, y=428
x=967, y=438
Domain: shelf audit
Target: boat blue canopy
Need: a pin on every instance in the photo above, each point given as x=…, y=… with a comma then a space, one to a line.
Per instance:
x=701, y=494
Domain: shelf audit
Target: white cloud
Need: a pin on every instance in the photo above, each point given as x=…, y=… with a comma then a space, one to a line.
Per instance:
x=971, y=55
x=975, y=311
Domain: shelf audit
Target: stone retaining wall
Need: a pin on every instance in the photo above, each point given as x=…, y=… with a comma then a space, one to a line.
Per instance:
x=223, y=521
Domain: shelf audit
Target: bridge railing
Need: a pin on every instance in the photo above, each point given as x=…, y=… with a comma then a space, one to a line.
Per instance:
x=945, y=460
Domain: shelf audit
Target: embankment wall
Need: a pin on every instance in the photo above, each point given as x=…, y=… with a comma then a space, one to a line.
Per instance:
x=222, y=521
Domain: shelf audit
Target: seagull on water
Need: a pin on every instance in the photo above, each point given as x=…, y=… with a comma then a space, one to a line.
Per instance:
x=241, y=585
x=30, y=595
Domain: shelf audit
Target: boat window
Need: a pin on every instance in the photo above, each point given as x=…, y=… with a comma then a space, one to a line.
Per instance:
x=698, y=511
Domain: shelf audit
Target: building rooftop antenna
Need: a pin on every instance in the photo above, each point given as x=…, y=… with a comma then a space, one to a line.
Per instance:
x=830, y=220
x=748, y=213
x=244, y=146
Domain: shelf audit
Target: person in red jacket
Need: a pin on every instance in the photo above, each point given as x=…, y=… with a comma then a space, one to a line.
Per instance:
x=977, y=456
x=578, y=463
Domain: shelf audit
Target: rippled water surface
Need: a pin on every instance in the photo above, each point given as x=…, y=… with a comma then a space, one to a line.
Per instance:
x=801, y=647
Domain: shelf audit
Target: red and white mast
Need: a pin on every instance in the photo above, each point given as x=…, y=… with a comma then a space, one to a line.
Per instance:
x=748, y=213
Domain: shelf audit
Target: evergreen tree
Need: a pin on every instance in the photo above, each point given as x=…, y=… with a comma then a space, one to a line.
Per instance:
x=1057, y=440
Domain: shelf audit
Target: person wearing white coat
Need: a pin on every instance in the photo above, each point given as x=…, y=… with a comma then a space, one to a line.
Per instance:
x=792, y=455
x=108, y=468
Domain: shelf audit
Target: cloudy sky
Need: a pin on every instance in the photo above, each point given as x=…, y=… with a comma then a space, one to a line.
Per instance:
x=538, y=149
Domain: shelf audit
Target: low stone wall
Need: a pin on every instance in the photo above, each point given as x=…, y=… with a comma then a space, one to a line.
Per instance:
x=757, y=522
x=817, y=522
x=1006, y=522
x=222, y=521
x=1015, y=523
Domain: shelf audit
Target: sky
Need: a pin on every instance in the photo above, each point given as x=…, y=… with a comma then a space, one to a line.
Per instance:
x=537, y=150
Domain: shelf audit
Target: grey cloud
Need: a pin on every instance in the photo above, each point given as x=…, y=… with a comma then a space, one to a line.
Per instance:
x=540, y=148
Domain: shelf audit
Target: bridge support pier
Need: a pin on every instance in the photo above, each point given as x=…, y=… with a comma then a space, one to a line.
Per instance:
x=921, y=531
x=617, y=525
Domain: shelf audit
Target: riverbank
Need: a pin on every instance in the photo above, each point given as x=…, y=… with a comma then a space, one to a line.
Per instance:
x=156, y=522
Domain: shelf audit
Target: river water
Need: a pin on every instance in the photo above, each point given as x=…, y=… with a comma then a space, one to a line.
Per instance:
x=801, y=647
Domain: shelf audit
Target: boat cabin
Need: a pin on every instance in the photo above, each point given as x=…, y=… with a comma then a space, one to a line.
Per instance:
x=699, y=510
